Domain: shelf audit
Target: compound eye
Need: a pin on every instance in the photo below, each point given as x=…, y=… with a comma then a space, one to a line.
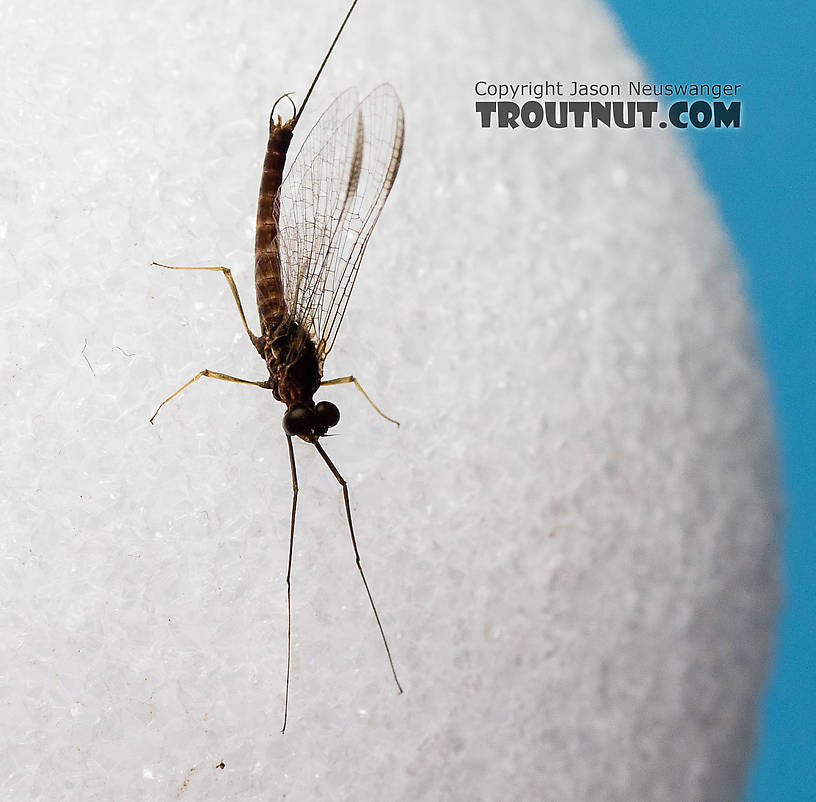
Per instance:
x=327, y=414
x=298, y=420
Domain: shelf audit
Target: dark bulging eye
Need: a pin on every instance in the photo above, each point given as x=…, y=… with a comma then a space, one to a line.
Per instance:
x=298, y=420
x=327, y=414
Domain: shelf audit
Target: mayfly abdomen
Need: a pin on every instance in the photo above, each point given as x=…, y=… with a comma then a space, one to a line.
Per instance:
x=268, y=286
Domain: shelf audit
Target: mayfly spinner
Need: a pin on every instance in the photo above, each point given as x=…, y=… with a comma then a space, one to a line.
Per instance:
x=312, y=229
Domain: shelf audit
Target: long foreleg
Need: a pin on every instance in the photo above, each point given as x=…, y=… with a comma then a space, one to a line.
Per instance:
x=289, y=581
x=344, y=485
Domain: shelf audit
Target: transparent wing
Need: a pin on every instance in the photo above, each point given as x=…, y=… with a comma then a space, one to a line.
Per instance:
x=330, y=201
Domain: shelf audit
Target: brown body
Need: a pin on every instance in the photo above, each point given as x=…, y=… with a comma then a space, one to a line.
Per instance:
x=268, y=286
x=294, y=355
x=289, y=352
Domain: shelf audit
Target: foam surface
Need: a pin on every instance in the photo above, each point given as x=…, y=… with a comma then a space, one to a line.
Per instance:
x=570, y=538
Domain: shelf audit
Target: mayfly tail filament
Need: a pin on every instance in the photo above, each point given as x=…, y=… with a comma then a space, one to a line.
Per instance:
x=323, y=63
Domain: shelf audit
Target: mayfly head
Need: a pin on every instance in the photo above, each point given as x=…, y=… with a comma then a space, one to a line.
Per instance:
x=309, y=423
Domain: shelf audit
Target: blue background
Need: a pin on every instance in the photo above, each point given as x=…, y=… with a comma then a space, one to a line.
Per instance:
x=762, y=176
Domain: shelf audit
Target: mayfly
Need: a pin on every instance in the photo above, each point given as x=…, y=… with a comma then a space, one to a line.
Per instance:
x=312, y=229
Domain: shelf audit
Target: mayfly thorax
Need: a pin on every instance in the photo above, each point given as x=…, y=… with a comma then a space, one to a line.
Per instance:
x=312, y=229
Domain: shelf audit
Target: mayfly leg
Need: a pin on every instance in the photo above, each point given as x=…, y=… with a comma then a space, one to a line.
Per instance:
x=289, y=581
x=228, y=276
x=210, y=374
x=352, y=380
x=344, y=486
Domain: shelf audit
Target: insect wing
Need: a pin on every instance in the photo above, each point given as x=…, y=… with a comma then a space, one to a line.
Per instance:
x=322, y=167
x=329, y=203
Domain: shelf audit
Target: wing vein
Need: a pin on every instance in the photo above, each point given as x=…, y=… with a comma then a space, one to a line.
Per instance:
x=330, y=201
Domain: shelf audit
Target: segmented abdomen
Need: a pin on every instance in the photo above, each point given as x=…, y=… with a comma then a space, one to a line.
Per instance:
x=268, y=286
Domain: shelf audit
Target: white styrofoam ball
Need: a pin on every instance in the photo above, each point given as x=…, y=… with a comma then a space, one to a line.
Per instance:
x=571, y=538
